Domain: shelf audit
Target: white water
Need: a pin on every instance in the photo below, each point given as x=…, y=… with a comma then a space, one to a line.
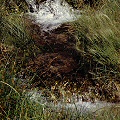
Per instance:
x=74, y=106
x=52, y=13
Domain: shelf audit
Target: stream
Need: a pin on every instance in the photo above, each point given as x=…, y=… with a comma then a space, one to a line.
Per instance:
x=74, y=105
x=50, y=15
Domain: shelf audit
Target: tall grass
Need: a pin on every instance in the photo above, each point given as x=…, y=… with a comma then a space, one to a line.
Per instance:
x=97, y=35
x=16, y=46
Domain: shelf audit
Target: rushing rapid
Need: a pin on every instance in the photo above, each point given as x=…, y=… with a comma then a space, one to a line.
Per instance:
x=52, y=13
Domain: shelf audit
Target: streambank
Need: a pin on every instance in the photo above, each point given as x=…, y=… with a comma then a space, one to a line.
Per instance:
x=60, y=63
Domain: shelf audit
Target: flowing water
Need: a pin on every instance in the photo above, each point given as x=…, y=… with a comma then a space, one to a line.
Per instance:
x=76, y=105
x=49, y=15
x=52, y=13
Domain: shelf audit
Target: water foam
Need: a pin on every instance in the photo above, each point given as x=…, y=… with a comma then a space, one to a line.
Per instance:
x=52, y=13
x=79, y=105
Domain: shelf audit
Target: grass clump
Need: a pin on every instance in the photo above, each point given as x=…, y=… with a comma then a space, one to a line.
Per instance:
x=16, y=46
x=16, y=105
x=97, y=35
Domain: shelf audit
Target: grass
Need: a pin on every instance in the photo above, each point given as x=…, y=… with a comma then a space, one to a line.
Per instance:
x=97, y=35
x=98, y=42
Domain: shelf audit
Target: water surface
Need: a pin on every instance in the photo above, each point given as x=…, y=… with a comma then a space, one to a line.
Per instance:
x=52, y=13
